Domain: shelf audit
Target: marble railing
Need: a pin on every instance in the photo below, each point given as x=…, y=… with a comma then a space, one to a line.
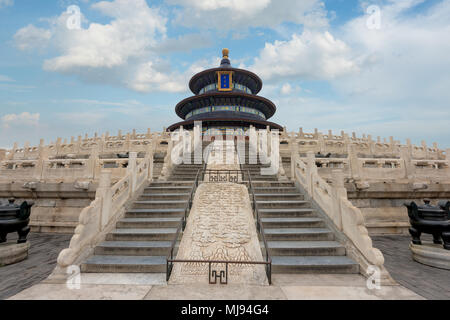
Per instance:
x=100, y=145
x=339, y=144
x=65, y=170
x=100, y=217
x=384, y=169
x=332, y=200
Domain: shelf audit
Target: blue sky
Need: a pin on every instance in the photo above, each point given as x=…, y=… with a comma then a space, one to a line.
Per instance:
x=131, y=61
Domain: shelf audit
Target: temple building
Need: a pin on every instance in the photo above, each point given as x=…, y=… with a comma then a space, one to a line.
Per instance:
x=225, y=98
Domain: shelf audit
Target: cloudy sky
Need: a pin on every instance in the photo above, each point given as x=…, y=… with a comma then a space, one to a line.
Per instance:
x=379, y=67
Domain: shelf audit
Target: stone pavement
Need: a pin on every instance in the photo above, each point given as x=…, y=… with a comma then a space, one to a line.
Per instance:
x=429, y=282
x=153, y=287
x=416, y=280
x=40, y=263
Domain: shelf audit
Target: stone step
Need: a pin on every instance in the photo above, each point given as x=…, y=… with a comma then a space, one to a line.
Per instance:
x=279, y=196
x=167, y=189
x=124, y=264
x=177, y=183
x=148, y=234
x=154, y=213
x=283, y=204
x=293, y=222
x=159, y=204
x=285, y=213
x=188, y=167
x=298, y=234
x=187, y=179
x=134, y=248
x=164, y=196
x=275, y=190
x=263, y=178
x=178, y=175
x=305, y=248
x=148, y=223
x=313, y=264
x=272, y=184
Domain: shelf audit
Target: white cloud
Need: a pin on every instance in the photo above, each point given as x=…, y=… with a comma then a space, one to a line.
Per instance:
x=6, y=3
x=238, y=14
x=133, y=29
x=84, y=118
x=392, y=81
x=313, y=55
x=126, y=51
x=4, y=78
x=287, y=89
x=235, y=5
x=406, y=60
x=22, y=119
x=31, y=37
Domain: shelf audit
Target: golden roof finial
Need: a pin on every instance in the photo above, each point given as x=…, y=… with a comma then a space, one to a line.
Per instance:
x=225, y=53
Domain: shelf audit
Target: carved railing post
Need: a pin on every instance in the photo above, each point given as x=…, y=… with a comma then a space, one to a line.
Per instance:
x=104, y=192
x=253, y=146
x=321, y=143
x=354, y=162
x=26, y=149
x=168, y=159
x=339, y=191
x=13, y=152
x=405, y=156
x=132, y=169
x=198, y=152
x=150, y=156
x=425, y=149
x=58, y=146
x=301, y=134
x=127, y=141
x=102, y=143
x=371, y=144
x=294, y=155
x=92, y=162
x=311, y=169
x=43, y=157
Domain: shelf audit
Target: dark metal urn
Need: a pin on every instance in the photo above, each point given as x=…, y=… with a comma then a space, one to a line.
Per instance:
x=15, y=218
x=430, y=219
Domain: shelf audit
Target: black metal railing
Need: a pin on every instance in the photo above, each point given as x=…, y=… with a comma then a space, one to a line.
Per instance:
x=213, y=275
x=222, y=176
x=260, y=227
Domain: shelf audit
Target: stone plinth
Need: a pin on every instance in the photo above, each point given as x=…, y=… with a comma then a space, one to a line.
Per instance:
x=431, y=254
x=13, y=252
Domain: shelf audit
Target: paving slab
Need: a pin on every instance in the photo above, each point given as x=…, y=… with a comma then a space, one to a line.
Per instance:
x=42, y=255
x=429, y=282
x=137, y=279
x=348, y=293
x=44, y=291
x=215, y=292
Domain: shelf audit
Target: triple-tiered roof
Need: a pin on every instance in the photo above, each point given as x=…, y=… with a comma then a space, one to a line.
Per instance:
x=225, y=97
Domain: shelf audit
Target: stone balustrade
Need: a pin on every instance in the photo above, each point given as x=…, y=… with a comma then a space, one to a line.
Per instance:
x=366, y=145
x=100, y=217
x=360, y=158
x=333, y=202
x=131, y=142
